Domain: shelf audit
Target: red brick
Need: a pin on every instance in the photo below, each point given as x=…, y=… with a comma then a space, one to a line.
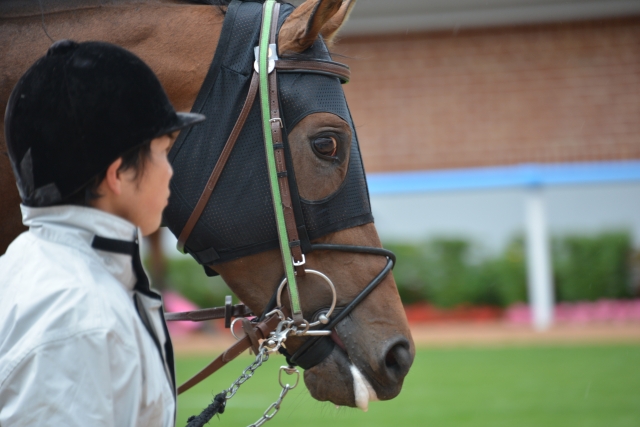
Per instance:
x=548, y=93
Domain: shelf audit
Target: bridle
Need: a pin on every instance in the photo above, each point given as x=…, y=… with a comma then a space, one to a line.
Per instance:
x=277, y=322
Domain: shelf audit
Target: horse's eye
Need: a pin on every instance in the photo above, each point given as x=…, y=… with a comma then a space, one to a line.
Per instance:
x=325, y=146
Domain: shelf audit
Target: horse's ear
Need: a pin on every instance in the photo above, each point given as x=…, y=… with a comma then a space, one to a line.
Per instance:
x=304, y=24
x=331, y=28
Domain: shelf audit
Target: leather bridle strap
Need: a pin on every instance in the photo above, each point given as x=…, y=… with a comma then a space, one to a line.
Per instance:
x=328, y=68
x=238, y=310
x=261, y=331
x=220, y=164
x=290, y=247
x=278, y=147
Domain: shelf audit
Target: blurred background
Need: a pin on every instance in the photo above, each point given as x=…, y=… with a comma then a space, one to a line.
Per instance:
x=501, y=140
x=502, y=144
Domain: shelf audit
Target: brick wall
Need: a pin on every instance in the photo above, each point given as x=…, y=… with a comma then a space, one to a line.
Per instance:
x=550, y=93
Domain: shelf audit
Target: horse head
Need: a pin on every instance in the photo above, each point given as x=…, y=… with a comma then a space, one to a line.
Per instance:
x=371, y=350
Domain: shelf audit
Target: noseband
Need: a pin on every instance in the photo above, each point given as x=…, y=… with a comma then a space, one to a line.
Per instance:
x=265, y=83
x=316, y=348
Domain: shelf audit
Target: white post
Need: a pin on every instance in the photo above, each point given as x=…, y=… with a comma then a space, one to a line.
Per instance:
x=539, y=275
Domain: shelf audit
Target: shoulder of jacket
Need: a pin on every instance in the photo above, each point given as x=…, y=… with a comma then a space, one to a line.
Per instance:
x=63, y=284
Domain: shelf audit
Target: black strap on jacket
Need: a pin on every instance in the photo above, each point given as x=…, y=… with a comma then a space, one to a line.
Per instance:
x=125, y=247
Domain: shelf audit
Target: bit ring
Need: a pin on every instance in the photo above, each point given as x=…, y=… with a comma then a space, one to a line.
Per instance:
x=326, y=279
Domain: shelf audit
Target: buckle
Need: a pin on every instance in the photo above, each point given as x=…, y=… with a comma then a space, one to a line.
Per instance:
x=277, y=120
x=299, y=263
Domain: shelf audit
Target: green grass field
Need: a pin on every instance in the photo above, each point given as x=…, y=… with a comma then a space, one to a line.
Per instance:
x=570, y=386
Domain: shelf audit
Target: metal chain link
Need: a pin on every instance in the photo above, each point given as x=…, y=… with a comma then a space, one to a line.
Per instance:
x=268, y=346
x=273, y=409
x=261, y=357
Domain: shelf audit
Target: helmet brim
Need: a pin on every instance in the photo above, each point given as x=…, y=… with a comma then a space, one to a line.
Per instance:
x=184, y=120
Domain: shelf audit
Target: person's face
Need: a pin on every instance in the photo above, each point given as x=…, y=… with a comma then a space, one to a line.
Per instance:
x=145, y=197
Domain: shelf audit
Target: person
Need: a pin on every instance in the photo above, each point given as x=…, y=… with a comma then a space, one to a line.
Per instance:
x=83, y=340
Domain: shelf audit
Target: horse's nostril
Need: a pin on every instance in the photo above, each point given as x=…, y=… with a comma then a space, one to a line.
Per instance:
x=398, y=359
x=391, y=360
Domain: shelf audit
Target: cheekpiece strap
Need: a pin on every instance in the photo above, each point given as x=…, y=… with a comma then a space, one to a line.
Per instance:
x=292, y=257
x=220, y=164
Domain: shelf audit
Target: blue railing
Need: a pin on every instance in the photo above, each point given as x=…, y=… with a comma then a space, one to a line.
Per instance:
x=523, y=175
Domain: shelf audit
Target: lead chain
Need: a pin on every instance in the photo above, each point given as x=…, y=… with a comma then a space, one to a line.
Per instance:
x=273, y=409
x=261, y=357
x=267, y=347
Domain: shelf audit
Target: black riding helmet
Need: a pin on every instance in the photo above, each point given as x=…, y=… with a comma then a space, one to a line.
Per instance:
x=76, y=110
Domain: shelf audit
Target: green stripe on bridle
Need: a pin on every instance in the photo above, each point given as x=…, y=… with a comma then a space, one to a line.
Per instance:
x=283, y=238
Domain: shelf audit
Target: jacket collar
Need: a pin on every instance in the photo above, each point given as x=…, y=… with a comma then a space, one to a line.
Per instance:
x=76, y=226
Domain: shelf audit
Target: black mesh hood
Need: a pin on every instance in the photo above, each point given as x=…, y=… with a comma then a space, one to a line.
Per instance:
x=239, y=219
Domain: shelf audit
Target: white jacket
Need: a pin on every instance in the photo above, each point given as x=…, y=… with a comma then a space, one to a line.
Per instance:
x=73, y=350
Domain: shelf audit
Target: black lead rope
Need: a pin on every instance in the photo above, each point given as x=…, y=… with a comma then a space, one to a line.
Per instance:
x=214, y=408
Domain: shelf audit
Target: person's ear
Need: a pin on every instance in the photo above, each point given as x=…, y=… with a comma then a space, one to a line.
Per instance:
x=113, y=179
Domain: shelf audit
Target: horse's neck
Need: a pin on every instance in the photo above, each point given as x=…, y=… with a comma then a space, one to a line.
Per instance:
x=176, y=39
x=22, y=8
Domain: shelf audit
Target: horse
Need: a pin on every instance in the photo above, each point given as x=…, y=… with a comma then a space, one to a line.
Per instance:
x=178, y=38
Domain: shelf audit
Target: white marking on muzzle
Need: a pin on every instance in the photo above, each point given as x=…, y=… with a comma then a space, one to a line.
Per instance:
x=363, y=391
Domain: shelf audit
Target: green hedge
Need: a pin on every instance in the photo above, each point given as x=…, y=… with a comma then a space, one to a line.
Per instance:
x=591, y=268
x=187, y=277
x=450, y=272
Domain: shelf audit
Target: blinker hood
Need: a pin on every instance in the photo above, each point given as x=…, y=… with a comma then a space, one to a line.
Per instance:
x=239, y=219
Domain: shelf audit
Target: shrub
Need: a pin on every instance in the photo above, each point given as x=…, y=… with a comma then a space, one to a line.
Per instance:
x=448, y=272
x=187, y=277
x=510, y=273
x=588, y=268
x=410, y=271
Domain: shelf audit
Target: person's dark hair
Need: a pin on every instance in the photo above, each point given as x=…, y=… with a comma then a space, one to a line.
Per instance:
x=135, y=159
